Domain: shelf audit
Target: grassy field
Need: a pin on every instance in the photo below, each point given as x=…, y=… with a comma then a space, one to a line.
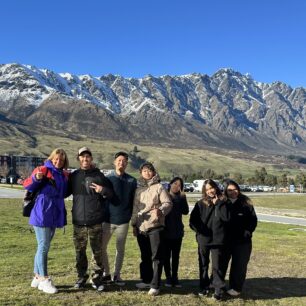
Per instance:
x=165, y=158
x=276, y=274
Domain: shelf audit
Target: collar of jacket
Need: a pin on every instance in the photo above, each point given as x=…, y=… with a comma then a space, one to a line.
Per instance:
x=90, y=170
x=146, y=183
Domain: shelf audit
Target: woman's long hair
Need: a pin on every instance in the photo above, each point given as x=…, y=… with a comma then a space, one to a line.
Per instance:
x=177, y=178
x=241, y=196
x=62, y=153
x=206, y=199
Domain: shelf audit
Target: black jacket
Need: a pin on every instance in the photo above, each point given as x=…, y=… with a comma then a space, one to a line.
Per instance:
x=174, y=227
x=211, y=222
x=88, y=206
x=243, y=221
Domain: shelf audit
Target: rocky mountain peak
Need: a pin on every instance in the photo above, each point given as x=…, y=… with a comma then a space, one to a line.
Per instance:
x=227, y=109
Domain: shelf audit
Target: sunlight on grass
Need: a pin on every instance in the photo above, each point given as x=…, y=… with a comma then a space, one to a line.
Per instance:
x=276, y=273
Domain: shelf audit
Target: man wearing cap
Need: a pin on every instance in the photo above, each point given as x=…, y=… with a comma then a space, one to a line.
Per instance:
x=118, y=216
x=90, y=189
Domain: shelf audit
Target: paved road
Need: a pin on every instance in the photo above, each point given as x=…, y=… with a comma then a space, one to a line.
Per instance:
x=281, y=219
x=8, y=193
x=253, y=194
x=276, y=219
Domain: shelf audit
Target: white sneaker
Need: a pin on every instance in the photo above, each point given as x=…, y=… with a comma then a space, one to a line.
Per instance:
x=47, y=286
x=153, y=292
x=98, y=287
x=35, y=282
x=142, y=285
x=233, y=292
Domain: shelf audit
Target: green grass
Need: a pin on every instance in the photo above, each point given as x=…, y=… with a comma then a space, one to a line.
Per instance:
x=276, y=274
x=281, y=202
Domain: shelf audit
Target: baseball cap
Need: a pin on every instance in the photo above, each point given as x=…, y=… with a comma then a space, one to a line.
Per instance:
x=84, y=150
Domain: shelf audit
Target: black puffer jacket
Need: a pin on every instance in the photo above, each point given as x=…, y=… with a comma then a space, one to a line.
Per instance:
x=243, y=221
x=211, y=222
x=88, y=206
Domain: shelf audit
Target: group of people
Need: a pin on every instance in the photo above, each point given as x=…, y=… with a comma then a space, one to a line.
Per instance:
x=103, y=206
x=224, y=223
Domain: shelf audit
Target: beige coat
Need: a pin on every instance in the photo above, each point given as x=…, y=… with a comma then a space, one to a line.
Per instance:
x=148, y=196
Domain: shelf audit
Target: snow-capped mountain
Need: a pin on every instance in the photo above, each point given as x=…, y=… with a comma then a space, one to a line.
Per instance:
x=227, y=109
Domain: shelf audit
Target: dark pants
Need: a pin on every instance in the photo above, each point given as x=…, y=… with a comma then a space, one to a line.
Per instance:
x=204, y=252
x=240, y=255
x=172, y=252
x=151, y=246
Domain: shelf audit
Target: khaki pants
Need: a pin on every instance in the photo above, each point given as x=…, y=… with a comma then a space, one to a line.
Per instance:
x=121, y=232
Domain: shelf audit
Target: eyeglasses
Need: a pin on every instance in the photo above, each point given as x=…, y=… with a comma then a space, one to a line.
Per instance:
x=232, y=190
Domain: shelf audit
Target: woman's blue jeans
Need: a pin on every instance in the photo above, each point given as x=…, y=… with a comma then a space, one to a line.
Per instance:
x=44, y=236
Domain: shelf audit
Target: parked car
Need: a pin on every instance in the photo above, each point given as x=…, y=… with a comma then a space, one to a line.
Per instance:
x=165, y=184
x=245, y=188
x=188, y=187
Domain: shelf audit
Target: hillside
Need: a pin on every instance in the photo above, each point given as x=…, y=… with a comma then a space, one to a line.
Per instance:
x=168, y=160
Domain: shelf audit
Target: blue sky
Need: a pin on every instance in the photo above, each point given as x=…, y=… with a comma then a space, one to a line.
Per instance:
x=133, y=38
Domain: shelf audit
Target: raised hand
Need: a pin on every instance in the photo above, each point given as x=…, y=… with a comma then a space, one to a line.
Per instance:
x=39, y=174
x=96, y=187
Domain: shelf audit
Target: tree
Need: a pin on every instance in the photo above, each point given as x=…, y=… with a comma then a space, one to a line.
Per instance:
x=283, y=180
x=237, y=177
x=300, y=179
x=260, y=176
x=209, y=174
x=271, y=180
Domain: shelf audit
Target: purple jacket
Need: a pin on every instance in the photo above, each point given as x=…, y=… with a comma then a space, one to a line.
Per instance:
x=49, y=209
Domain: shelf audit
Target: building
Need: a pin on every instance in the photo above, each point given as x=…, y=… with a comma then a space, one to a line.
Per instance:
x=18, y=166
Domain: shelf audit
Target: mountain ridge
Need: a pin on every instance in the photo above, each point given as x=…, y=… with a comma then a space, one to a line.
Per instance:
x=226, y=110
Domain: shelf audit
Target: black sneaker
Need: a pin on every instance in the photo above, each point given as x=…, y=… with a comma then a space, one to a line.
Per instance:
x=176, y=283
x=81, y=282
x=218, y=295
x=118, y=281
x=106, y=279
x=204, y=292
x=168, y=282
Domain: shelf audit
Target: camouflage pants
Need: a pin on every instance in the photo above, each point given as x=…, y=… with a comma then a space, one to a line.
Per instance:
x=81, y=234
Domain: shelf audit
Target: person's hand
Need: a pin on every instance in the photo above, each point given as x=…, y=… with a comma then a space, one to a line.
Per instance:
x=215, y=199
x=155, y=214
x=39, y=174
x=135, y=231
x=96, y=187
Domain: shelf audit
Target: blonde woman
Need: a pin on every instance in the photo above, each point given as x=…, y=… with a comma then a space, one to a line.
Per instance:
x=49, y=212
